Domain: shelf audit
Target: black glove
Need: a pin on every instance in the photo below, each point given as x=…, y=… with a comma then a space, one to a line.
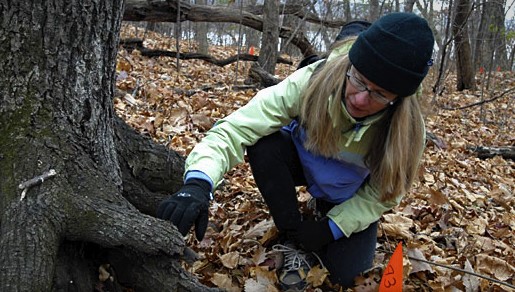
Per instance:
x=313, y=235
x=187, y=206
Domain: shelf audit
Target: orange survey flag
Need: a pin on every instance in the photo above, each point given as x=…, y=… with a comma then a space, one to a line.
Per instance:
x=392, y=276
x=251, y=50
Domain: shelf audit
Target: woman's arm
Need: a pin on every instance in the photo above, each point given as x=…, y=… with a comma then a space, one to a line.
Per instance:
x=271, y=108
x=364, y=208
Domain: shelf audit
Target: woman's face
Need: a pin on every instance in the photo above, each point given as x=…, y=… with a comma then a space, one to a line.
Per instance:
x=363, y=98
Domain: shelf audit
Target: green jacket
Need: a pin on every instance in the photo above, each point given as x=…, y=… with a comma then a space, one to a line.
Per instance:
x=268, y=111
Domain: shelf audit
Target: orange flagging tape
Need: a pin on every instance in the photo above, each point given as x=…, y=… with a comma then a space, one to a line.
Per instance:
x=392, y=276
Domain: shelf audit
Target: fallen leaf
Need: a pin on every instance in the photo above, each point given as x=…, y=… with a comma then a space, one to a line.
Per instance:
x=230, y=260
x=259, y=229
x=497, y=267
x=470, y=282
x=418, y=266
x=224, y=281
x=317, y=275
x=397, y=225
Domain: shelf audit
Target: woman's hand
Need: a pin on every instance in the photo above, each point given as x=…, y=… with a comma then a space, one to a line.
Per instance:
x=187, y=206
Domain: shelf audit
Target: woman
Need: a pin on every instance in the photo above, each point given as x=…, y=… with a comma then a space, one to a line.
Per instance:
x=349, y=127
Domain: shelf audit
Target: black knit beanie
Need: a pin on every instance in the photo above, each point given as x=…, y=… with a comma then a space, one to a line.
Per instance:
x=395, y=52
x=352, y=28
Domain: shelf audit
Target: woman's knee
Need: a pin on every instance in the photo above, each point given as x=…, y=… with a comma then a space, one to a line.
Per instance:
x=346, y=258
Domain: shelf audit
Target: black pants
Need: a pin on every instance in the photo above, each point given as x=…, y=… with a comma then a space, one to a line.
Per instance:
x=277, y=170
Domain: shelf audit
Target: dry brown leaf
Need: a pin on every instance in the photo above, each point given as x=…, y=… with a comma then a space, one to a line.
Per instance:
x=269, y=235
x=366, y=284
x=398, y=226
x=251, y=285
x=262, y=280
x=263, y=275
x=177, y=115
x=202, y=121
x=259, y=255
x=470, y=282
x=103, y=274
x=497, y=267
x=317, y=275
x=418, y=266
x=224, y=281
x=477, y=226
x=429, y=178
x=437, y=197
x=259, y=229
x=230, y=260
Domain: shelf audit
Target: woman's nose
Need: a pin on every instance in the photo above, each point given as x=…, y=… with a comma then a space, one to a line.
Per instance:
x=361, y=98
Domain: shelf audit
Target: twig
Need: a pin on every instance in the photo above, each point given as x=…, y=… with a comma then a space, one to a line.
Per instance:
x=463, y=271
x=480, y=102
x=458, y=270
x=26, y=185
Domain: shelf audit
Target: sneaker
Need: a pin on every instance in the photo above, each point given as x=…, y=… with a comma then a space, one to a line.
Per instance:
x=295, y=266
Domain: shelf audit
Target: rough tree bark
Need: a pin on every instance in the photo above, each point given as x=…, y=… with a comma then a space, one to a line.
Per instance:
x=408, y=5
x=56, y=113
x=201, y=32
x=270, y=39
x=491, y=37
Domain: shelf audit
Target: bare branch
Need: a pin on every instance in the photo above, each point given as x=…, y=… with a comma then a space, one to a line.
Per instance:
x=165, y=11
x=479, y=102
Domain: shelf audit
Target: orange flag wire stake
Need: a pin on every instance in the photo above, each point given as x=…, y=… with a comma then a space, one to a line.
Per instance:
x=392, y=276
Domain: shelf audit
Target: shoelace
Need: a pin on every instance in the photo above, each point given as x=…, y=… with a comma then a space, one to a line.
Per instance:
x=294, y=258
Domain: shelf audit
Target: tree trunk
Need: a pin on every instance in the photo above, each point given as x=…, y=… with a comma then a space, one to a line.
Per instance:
x=268, y=53
x=347, y=14
x=480, y=54
x=251, y=35
x=374, y=10
x=201, y=33
x=408, y=5
x=327, y=39
x=444, y=45
x=56, y=115
x=464, y=68
x=293, y=23
x=490, y=51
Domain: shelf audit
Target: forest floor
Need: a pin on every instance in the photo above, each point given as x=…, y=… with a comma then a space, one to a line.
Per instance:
x=456, y=225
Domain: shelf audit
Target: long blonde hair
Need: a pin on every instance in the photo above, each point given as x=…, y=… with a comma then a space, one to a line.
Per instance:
x=394, y=155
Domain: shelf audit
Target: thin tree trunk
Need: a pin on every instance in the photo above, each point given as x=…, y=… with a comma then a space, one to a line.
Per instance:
x=269, y=42
x=408, y=5
x=464, y=68
x=374, y=10
x=201, y=33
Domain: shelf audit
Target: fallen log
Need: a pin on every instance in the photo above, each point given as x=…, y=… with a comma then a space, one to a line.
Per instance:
x=264, y=78
x=483, y=152
x=137, y=44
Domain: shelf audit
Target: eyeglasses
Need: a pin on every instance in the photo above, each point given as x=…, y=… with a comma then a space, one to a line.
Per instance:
x=361, y=86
